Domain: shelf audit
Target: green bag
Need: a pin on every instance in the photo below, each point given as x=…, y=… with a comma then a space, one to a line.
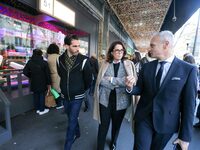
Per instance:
x=54, y=93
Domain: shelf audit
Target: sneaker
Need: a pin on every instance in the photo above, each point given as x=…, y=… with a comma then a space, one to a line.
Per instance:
x=37, y=111
x=59, y=107
x=44, y=112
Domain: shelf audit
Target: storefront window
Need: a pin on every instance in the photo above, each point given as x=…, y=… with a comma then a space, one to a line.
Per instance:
x=187, y=38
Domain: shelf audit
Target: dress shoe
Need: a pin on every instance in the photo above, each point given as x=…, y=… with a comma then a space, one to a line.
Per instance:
x=113, y=147
x=76, y=137
x=197, y=125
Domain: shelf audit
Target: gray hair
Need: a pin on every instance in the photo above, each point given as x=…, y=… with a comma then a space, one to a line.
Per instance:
x=167, y=36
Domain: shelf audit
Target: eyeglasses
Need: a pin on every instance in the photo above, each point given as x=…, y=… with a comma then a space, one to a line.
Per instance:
x=118, y=50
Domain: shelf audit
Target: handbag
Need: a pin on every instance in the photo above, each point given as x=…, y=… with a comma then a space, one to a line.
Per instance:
x=49, y=100
x=54, y=93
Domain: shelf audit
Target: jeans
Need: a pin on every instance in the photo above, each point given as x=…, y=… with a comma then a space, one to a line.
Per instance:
x=72, y=109
x=39, y=100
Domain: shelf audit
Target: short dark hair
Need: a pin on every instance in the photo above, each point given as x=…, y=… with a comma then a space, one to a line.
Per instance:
x=53, y=49
x=190, y=59
x=136, y=57
x=110, y=50
x=69, y=38
x=37, y=52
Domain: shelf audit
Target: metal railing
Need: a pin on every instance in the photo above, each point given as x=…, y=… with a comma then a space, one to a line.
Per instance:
x=5, y=132
x=8, y=76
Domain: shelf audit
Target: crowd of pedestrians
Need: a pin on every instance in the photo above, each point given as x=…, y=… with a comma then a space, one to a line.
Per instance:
x=164, y=87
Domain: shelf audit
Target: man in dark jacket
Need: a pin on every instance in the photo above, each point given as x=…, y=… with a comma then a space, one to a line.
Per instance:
x=95, y=69
x=90, y=92
x=75, y=73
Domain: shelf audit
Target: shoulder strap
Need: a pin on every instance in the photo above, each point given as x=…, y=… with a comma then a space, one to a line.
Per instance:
x=57, y=61
x=83, y=64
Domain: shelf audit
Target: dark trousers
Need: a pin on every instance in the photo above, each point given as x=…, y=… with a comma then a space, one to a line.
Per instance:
x=59, y=101
x=87, y=99
x=92, y=87
x=72, y=109
x=146, y=138
x=107, y=114
x=39, y=100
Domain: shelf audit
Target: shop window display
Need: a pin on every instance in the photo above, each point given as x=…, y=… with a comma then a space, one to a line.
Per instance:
x=18, y=38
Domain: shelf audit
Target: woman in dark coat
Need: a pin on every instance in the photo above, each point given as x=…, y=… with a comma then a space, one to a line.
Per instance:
x=37, y=71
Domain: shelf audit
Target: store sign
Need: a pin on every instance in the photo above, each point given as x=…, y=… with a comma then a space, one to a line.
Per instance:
x=46, y=6
x=64, y=13
x=57, y=10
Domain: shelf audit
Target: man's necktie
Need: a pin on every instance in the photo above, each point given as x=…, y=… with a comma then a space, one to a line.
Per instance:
x=159, y=74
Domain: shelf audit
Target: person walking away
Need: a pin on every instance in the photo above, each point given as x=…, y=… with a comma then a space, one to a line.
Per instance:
x=37, y=71
x=53, y=54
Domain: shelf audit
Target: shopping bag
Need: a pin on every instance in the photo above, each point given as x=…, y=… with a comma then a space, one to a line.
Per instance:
x=54, y=93
x=49, y=100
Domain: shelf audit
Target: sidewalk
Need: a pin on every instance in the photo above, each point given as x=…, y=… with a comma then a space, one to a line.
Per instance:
x=47, y=132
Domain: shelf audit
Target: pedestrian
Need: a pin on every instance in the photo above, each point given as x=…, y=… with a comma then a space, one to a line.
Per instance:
x=38, y=72
x=75, y=78
x=53, y=52
x=190, y=59
x=110, y=98
x=95, y=69
x=167, y=87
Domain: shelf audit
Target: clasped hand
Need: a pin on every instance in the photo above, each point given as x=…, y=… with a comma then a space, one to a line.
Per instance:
x=130, y=81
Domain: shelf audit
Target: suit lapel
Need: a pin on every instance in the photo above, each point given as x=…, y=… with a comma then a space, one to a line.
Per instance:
x=170, y=73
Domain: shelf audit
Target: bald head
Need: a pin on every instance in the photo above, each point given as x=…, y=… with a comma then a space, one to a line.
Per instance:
x=167, y=36
x=162, y=45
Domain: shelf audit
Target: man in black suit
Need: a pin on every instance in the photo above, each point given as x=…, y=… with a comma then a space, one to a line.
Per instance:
x=168, y=91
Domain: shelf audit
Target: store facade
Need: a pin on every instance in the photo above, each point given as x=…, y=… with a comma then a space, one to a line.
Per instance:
x=22, y=31
x=24, y=26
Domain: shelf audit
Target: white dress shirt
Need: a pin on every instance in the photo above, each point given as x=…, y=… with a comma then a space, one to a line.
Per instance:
x=166, y=67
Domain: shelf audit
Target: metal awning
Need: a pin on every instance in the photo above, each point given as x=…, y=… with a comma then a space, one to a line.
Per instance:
x=141, y=18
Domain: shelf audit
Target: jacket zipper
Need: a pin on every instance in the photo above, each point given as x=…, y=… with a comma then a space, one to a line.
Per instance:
x=68, y=78
x=68, y=86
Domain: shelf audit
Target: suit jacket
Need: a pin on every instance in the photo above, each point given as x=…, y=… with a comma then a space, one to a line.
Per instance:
x=172, y=106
